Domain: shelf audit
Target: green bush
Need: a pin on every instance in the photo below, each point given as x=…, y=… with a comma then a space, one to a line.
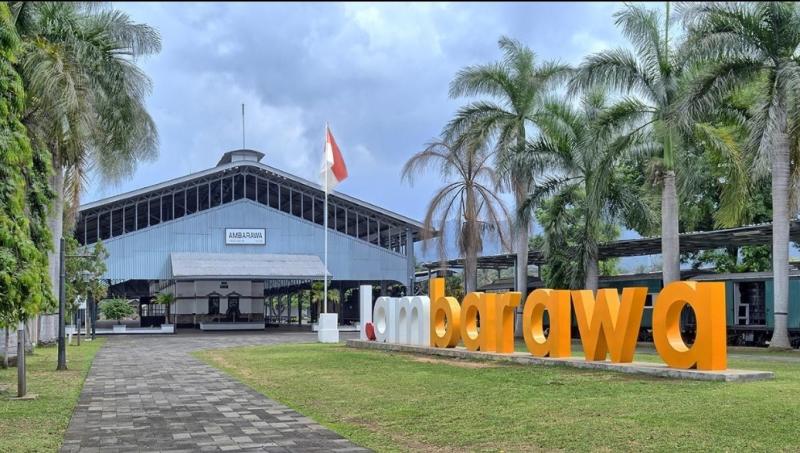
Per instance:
x=116, y=309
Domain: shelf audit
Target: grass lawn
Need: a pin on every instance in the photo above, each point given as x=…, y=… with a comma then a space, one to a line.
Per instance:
x=398, y=402
x=39, y=425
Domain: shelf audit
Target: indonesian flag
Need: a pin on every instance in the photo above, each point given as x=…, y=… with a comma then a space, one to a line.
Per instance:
x=333, y=164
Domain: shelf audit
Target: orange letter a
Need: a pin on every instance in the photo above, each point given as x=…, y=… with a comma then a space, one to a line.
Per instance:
x=606, y=325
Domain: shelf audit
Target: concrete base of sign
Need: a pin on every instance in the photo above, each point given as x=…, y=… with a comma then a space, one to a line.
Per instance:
x=648, y=369
x=328, y=328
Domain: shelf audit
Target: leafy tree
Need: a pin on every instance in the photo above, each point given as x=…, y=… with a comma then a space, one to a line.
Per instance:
x=318, y=293
x=514, y=89
x=592, y=194
x=116, y=309
x=467, y=197
x=83, y=274
x=86, y=95
x=738, y=45
x=562, y=221
x=650, y=75
x=24, y=287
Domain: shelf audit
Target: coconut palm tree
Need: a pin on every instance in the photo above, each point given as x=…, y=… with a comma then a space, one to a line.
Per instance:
x=651, y=75
x=755, y=44
x=514, y=89
x=586, y=143
x=85, y=95
x=467, y=197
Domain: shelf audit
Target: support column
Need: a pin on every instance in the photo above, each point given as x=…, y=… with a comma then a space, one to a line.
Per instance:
x=410, y=262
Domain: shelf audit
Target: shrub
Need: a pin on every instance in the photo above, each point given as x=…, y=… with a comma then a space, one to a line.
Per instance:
x=116, y=309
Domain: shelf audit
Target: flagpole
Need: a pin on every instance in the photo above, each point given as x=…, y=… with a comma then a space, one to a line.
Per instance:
x=325, y=221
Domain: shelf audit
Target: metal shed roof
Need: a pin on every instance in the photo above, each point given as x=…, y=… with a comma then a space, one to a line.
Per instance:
x=207, y=266
x=757, y=234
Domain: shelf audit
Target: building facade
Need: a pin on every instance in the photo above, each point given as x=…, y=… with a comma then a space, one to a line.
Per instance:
x=228, y=240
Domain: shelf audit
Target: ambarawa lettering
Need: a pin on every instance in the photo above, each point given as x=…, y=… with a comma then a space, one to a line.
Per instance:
x=608, y=322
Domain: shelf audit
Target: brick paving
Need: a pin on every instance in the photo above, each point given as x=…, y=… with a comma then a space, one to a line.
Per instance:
x=147, y=393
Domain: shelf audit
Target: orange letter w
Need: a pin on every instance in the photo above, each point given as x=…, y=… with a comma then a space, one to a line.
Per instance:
x=606, y=325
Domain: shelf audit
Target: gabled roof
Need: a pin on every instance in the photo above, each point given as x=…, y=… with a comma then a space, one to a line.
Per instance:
x=227, y=164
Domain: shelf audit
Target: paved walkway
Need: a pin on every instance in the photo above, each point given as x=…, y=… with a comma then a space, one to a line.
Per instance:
x=147, y=393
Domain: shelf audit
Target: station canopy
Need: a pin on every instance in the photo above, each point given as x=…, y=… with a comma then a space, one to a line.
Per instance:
x=246, y=266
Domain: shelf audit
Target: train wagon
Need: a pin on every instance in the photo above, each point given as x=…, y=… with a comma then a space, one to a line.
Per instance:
x=749, y=302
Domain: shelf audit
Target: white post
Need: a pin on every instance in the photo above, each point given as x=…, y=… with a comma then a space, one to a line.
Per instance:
x=328, y=327
x=365, y=297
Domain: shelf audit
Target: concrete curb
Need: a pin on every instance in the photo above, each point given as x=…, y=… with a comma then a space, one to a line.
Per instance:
x=642, y=368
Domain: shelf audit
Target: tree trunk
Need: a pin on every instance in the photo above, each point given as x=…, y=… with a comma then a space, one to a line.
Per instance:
x=521, y=249
x=592, y=277
x=470, y=237
x=780, y=235
x=55, y=222
x=670, y=248
x=5, y=348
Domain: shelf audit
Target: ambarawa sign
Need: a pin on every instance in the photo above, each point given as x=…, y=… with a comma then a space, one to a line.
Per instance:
x=608, y=324
x=245, y=236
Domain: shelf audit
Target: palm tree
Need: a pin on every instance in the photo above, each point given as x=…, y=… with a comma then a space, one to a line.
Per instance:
x=754, y=44
x=467, y=197
x=165, y=299
x=516, y=87
x=651, y=74
x=587, y=144
x=85, y=95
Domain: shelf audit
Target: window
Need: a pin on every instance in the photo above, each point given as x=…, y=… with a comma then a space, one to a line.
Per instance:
x=213, y=305
x=155, y=211
x=191, y=200
x=130, y=218
x=373, y=231
x=204, y=201
x=250, y=188
x=233, y=303
x=352, y=223
x=105, y=225
x=166, y=208
x=361, y=228
x=141, y=215
x=274, y=196
x=286, y=204
x=116, y=222
x=227, y=189
x=341, y=218
x=319, y=211
x=179, y=205
x=91, y=229
x=215, y=194
x=297, y=204
x=263, y=191
x=308, y=208
x=238, y=186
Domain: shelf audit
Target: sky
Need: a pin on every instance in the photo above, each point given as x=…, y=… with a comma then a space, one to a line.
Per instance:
x=378, y=73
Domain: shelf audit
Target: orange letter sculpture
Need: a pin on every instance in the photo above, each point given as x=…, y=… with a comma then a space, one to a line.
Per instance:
x=606, y=325
x=505, y=304
x=557, y=343
x=445, y=316
x=708, y=303
x=474, y=306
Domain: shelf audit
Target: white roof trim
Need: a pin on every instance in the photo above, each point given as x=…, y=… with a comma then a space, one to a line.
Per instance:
x=214, y=266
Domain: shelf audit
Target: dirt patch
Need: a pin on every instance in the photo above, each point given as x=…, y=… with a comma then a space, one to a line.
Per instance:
x=456, y=362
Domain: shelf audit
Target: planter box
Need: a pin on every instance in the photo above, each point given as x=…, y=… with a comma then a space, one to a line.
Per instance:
x=168, y=328
x=119, y=328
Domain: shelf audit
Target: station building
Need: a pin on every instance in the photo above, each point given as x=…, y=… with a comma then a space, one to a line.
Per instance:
x=231, y=241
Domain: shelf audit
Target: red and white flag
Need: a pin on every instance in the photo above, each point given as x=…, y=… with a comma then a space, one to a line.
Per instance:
x=333, y=167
